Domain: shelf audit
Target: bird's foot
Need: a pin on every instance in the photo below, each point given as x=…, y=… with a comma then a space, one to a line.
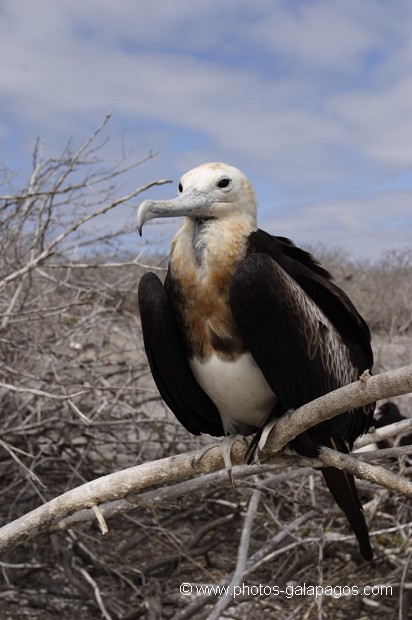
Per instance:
x=225, y=446
x=266, y=430
x=256, y=447
x=259, y=441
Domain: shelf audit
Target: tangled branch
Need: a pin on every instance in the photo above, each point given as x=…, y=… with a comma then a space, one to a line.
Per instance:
x=119, y=485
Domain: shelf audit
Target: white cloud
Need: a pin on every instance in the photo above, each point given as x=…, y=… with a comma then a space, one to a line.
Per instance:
x=320, y=36
x=313, y=97
x=379, y=123
x=361, y=226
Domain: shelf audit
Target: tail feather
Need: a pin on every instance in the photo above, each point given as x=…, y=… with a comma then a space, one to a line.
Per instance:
x=344, y=492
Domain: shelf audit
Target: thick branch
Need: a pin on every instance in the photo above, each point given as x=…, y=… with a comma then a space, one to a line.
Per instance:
x=119, y=485
x=366, y=390
x=375, y=473
x=114, y=487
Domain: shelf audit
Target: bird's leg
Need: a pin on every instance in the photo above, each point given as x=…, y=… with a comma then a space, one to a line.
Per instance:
x=259, y=440
x=226, y=446
x=266, y=430
x=226, y=449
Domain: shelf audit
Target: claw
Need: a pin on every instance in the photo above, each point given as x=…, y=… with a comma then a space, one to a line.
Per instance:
x=267, y=429
x=226, y=448
x=256, y=457
x=259, y=440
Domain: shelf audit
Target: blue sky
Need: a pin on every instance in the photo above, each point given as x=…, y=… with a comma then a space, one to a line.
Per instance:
x=311, y=99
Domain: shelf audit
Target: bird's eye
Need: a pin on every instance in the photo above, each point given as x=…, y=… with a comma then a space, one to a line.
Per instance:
x=180, y=187
x=224, y=183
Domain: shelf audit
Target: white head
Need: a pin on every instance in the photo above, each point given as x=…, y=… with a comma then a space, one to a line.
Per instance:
x=213, y=190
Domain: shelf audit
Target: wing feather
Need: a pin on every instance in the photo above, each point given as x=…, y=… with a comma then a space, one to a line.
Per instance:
x=168, y=362
x=299, y=350
x=303, y=354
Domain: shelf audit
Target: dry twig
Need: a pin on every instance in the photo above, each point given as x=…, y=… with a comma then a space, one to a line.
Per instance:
x=118, y=485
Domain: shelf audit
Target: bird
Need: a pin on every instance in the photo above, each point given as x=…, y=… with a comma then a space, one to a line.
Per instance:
x=248, y=326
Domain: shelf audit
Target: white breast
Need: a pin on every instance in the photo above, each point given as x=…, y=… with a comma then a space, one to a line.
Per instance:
x=238, y=389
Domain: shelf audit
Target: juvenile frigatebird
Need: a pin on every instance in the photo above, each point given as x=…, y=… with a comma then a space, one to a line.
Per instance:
x=248, y=326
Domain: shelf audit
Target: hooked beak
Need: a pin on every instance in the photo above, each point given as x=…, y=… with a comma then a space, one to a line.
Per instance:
x=190, y=203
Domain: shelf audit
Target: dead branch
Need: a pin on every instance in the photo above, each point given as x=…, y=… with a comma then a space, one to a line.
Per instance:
x=225, y=600
x=392, y=430
x=375, y=473
x=114, y=487
x=48, y=251
x=120, y=484
x=78, y=402
x=384, y=453
x=367, y=390
x=163, y=494
x=173, y=492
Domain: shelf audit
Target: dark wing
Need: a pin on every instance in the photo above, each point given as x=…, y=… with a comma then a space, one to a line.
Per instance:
x=300, y=352
x=303, y=355
x=318, y=285
x=168, y=362
x=329, y=299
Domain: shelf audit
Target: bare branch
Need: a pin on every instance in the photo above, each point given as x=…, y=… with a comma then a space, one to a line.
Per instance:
x=375, y=473
x=100, y=519
x=212, y=480
x=385, y=432
x=120, y=484
x=225, y=600
x=114, y=487
x=97, y=593
x=78, y=402
x=383, y=454
x=357, y=394
x=22, y=390
x=38, y=260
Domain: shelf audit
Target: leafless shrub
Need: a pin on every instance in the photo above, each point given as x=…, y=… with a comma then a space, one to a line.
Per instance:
x=77, y=402
x=71, y=376
x=382, y=290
